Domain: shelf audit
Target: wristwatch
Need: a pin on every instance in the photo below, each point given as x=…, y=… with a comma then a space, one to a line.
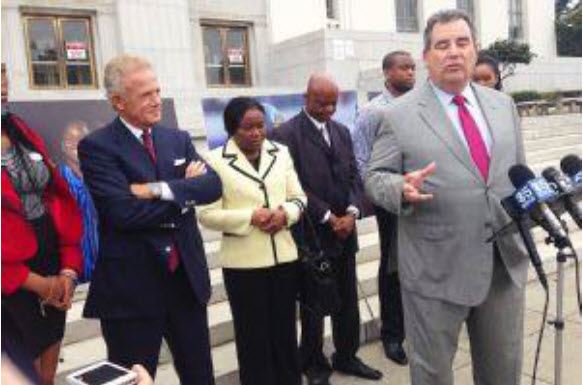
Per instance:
x=156, y=189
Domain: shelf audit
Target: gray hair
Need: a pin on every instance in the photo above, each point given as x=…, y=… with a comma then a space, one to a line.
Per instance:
x=117, y=68
x=443, y=17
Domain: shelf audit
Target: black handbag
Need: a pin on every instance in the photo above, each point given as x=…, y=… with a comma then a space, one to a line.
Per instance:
x=318, y=290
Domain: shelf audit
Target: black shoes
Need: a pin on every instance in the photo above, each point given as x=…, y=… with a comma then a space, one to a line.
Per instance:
x=355, y=367
x=318, y=376
x=319, y=371
x=395, y=352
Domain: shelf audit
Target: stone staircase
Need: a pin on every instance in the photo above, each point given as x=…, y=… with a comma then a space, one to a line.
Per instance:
x=547, y=140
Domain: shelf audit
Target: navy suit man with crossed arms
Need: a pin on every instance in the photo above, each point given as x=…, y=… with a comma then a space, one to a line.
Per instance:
x=151, y=278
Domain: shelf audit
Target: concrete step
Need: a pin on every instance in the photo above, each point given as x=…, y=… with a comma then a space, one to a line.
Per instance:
x=79, y=328
x=543, y=133
x=219, y=313
x=555, y=142
x=224, y=356
x=553, y=154
x=542, y=123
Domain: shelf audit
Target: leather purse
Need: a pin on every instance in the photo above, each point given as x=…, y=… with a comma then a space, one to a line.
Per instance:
x=318, y=290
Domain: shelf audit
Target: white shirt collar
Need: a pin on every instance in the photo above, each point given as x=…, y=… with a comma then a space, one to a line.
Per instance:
x=319, y=125
x=137, y=132
x=446, y=97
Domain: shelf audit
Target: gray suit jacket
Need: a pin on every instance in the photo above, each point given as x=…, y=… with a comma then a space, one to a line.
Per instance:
x=443, y=251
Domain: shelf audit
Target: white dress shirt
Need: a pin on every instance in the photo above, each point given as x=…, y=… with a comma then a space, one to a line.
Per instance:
x=451, y=109
x=321, y=126
x=166, y=192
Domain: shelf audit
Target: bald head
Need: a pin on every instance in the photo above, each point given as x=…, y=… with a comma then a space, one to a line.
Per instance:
x=321, y=96
x=321, y=81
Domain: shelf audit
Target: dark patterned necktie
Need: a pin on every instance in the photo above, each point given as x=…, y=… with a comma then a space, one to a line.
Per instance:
x=149, y=145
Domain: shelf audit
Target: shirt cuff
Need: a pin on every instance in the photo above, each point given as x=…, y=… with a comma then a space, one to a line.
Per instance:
x=352, y=209
x=166, y=192
x=326, y=217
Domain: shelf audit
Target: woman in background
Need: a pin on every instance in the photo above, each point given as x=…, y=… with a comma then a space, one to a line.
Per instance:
x=71, y=171
x=41, y=253
x=262, y=198
x=487, y=72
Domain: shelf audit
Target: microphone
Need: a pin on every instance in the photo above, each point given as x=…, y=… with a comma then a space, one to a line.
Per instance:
x=521, y=221
x=566, y=190
x=532, y=195
x=571, y=165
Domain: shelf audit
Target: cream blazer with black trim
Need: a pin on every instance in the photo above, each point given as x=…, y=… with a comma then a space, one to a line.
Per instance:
x=245, y=189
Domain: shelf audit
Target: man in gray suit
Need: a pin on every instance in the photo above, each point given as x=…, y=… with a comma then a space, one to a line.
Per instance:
x=440, y=162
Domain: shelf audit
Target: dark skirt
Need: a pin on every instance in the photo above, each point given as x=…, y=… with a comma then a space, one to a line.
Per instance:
x=35, y=330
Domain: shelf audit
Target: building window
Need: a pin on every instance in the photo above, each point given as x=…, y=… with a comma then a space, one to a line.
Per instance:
x=60, y=52
x=407, y=16
x=331, y=9
x=515, y=30
x=226, y=56
x=468, y=7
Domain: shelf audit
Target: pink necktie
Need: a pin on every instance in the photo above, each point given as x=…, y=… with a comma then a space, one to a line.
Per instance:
x=173, y=259
x=476, y=144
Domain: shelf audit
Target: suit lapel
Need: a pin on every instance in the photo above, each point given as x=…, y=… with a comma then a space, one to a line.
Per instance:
x=239, y=162
x=133, y=148
x=163, y=148
x=313, y=134
x=268, y=157
x=432, y=113
x=488, y=107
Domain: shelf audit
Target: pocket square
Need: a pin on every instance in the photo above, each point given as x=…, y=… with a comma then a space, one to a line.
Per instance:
x=36, y=156
x=179, y=162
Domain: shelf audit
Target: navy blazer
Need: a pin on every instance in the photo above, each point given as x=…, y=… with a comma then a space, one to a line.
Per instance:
x=136, y=235
x=328, y=174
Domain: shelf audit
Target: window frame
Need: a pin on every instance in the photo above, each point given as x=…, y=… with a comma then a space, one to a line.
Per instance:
x=331, y=10
x=57, y=19
x=516, y=11
x=406, y=29
x=223, y=27
x=469, y=4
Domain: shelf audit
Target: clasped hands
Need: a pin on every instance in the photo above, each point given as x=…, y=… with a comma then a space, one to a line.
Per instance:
x=142, y=191
x=54, y=290
x=342, y=226
x=268, y=220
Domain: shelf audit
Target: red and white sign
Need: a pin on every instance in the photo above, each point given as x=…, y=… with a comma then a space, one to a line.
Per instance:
x=235, y=55
x=76, y=50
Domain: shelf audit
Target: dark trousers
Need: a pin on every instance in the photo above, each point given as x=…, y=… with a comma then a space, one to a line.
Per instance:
x=392, y=329
x=184, y=327
x=345, y=323
x=263, y=305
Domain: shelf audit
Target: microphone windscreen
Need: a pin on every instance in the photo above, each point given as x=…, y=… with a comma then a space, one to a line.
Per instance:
x=519, y=175
x=550, y=173
x=571, y=164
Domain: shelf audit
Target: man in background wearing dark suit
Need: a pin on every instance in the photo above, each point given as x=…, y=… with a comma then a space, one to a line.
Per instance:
x=151, y=279
x=324, y=160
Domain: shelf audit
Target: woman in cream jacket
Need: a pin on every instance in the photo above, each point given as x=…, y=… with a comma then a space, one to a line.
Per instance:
x=262, y=198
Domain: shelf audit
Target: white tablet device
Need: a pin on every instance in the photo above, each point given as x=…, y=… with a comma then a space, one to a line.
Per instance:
x=102, y=373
